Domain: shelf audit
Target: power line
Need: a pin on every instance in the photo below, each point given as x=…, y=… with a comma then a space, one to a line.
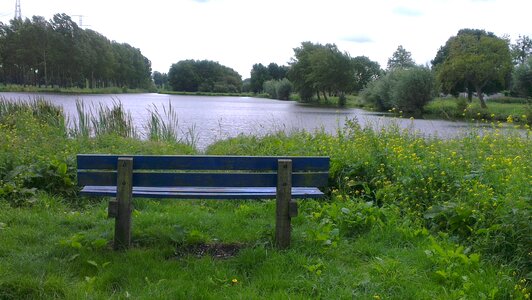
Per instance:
x=18, y=14
x=80, y=23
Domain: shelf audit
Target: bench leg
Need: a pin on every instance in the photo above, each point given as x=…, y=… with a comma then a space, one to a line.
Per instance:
x=124, y=196
x=284, y=195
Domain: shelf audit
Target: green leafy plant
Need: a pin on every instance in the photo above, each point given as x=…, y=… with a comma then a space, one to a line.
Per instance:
x=453, y=262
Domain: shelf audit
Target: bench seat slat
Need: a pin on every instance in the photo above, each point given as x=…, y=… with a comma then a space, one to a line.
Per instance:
x=319, y=179
x=206, y=162
x=202, y=192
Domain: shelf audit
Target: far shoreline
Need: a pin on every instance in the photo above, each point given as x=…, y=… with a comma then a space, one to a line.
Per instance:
x=519, y=113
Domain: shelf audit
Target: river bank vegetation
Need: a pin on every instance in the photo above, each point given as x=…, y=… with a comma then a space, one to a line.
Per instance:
x=13, y=88
x=406, y=217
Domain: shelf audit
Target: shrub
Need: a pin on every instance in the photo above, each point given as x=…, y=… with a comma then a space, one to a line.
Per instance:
x=404, y=89
x=283, y=89
x=269, y=88
x=412, y=89
x=278, y=89
x=378, y=93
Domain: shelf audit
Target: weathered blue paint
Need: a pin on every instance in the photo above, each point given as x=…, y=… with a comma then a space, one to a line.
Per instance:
x=202, y=163
x=202, y=177
x=201, y=192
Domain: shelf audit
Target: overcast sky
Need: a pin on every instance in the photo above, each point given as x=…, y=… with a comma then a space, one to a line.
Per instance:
x=240, y=33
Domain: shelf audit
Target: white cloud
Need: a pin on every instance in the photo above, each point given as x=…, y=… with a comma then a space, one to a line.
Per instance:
x=361, y=39
x=407, y=11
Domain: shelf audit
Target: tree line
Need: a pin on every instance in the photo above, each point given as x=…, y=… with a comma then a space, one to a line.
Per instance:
x=60, y=53
x=472, y=62
x=203, y=76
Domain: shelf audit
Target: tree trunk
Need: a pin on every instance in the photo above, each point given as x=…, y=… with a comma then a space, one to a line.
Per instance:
x=481, y=98
x=45, y=70
x=469, y=95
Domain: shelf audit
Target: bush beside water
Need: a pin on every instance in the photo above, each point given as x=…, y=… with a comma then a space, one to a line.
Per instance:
x=399, y=204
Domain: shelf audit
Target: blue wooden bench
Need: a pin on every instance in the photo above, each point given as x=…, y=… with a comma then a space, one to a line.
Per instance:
x=201, y=177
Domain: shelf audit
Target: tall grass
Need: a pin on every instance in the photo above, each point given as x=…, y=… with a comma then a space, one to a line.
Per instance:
x=103, y=120
x=82, y=127
x=40, y=108
x=163, y=126
x=113, y=120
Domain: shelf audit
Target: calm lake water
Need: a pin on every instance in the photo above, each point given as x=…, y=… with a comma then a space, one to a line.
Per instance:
x=214, y=118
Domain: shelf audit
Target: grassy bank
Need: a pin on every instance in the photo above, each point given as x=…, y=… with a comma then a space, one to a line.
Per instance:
x=208, y=94
x=406, y=218
x=516, y=110
x=73, y=90
x=352, y=101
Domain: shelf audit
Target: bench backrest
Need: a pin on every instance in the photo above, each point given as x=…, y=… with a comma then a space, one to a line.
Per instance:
x=202, y=171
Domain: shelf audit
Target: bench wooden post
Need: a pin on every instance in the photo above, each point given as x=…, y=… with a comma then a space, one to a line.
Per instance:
x=124, y=194
x=284, y=196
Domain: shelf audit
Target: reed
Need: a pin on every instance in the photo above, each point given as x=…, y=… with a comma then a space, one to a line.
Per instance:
x=113, y=120
x=103, y=120
x=43, y=110
x=82, y=126
x=163, y=126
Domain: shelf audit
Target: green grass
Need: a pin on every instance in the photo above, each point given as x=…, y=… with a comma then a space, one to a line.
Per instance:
x=498, y=110
x=405, y=218
x=352, y=101
x=72, y=90
x=208, y=94
x=53, y=251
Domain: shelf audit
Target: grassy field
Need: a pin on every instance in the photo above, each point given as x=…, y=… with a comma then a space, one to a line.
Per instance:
x=405, y=218
x=515, y=110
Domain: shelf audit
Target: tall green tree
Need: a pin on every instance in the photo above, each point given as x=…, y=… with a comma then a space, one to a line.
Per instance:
x=183, y=76
x=464, y=86
x=160, y=79
x=203, y=76
x=365, y=71
x=100, y=59
x=259, y=75
x=476, y=61
x=317, y=68
x=522, y=49
x=60, y=53
x=66, y=52
x=401, y=59
x=522, y=79
x=300, y=68
x=331, y=70
x=277, y=72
